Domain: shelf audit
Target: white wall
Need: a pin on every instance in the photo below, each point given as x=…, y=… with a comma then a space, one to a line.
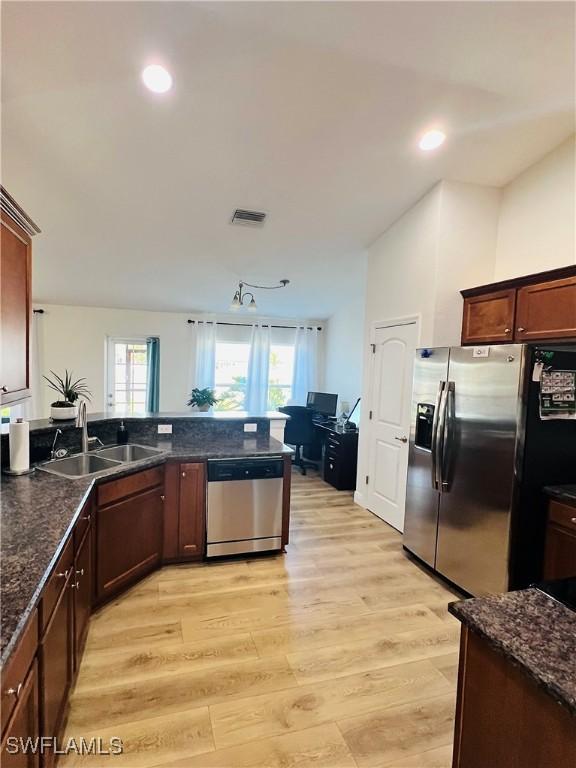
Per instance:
x=344, y=340
x=75, y=338
x=536, y=230
x=461, y=235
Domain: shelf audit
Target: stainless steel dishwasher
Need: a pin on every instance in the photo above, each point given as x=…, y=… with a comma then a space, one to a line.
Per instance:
x=244, y=509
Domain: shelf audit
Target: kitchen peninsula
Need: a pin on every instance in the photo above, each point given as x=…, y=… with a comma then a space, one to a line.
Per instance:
x=71, y=544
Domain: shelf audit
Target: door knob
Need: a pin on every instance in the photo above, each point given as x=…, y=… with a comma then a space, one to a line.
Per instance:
x=520, y=330
x=506, y=330
x=401, y=439
x=4, y=389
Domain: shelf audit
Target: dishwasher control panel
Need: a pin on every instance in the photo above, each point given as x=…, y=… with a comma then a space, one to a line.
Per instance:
x=220, y=470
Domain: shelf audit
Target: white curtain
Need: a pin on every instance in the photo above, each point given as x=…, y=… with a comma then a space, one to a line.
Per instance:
x=305, y=375
x=204, y=372
x=256, y=400
x=34, y=407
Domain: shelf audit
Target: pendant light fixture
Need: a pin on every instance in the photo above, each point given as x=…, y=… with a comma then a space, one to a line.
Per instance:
x=239, y=301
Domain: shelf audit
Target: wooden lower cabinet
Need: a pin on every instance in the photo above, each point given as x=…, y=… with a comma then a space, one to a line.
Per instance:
x=23, y=726
x=128, y=541
x=192, y=511
x=560, y=550
x=503, y=720
x=185, y=512
x=82, y=584
x=56, y=665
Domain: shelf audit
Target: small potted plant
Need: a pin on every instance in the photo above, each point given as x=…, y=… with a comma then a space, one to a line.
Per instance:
x=70, y=391
x=203, y=399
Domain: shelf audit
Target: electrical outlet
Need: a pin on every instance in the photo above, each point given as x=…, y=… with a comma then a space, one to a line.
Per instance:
x=164, y=429
x=250, y=427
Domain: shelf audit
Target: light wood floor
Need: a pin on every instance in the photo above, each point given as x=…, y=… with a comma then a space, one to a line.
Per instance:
x=340, y=653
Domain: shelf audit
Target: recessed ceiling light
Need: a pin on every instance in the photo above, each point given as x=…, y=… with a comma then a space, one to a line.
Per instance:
x=156, y=78
x=431, y=140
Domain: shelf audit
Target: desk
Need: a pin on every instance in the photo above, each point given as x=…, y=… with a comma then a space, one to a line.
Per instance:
x=339, y=451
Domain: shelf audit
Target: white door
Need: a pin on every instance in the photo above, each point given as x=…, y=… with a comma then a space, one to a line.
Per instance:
x=391, y=390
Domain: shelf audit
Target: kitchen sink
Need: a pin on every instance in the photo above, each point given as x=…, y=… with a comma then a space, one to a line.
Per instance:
x=128, y=452
x=81, y=465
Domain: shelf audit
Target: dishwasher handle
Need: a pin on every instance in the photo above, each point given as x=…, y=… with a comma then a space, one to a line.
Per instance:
x=221, y=470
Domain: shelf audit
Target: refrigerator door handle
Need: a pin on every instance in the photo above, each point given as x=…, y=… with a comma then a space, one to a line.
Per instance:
x=440, y=435
x=447, y=435
x=434, y=440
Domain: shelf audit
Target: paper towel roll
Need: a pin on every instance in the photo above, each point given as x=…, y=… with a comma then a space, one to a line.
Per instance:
x=19, y=438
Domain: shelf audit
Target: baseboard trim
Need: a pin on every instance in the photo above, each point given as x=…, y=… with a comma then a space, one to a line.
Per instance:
x=359, y=499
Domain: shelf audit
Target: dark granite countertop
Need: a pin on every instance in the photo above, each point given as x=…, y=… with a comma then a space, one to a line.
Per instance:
x=39, y=512
x=101, y=417
x=534, y=632
x=562, y=492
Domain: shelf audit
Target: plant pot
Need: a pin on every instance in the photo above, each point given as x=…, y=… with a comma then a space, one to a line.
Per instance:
x=63, y=414
x=204, y=408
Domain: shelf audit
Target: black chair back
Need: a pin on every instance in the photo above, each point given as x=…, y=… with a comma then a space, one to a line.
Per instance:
x=299, y=429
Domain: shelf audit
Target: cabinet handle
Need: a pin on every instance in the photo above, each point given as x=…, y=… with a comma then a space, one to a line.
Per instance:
x=14, y=691
x=63, y=575
x=75, y=585
x=162, y=498
x=573, y=520
x=86, y=517
x=183, y=474
x=506, y=330
x=520, y=330
x=80, y=572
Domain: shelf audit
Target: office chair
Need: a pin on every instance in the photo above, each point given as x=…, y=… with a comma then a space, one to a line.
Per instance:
x=299, y=432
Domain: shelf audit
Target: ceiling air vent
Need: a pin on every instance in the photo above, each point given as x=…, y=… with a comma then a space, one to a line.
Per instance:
x=242, y=216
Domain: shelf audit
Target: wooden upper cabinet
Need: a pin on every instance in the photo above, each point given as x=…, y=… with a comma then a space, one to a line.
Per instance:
x=192, y=516
x=489, y=318
x=15, y=300
x=547, y=310
x=530, y=308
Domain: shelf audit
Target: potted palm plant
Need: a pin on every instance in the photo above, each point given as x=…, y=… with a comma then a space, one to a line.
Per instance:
x=70, y=391
x=203, y=399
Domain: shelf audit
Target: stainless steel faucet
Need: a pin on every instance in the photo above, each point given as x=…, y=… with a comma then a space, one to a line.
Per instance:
x=82, y=422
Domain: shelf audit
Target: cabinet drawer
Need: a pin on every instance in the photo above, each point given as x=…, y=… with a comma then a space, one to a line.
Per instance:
x=126, y=486
x=56, y=583
x=14, y=673
x=563, y=515
x=82, y=524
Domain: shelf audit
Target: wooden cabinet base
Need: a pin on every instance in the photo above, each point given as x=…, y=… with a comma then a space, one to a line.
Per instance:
x=503, y=720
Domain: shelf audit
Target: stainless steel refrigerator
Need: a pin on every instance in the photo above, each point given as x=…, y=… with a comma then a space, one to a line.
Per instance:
x=479, y=457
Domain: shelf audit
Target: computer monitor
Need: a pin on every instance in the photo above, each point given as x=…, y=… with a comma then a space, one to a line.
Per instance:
x=322, y=402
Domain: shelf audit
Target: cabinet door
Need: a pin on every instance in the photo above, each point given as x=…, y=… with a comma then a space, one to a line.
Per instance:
x=192, y=517
x=24, y=724
x=82, y=588
x=489, y=318
x=547, y=310
x=560, y=554
x=128, y=541
x=15, y=311
x=56, y=658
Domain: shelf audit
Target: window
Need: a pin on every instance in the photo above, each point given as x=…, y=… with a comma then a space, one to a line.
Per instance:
x=127, y=375
x=280, y=376
x=231, y=374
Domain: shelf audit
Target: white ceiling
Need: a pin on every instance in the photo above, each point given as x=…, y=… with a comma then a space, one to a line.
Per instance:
x=310, y=111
